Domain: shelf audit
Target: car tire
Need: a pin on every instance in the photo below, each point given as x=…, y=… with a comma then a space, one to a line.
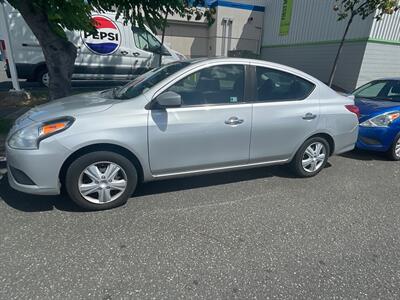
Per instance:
x=42, y=76
x=394, y=151
x=101, y=180
x=307, y=163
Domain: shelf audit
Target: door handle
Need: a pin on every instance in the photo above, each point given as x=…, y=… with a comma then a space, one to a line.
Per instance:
x=123, y=52
x=234, y=121
x=309, y=116
x=136, y=53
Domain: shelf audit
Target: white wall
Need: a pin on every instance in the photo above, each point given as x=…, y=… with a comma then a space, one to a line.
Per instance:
x=380, y=61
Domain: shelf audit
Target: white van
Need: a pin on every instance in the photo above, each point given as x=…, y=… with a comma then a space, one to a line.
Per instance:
x=115, y=52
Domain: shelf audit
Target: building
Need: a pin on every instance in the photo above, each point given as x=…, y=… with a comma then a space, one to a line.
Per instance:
x=238, y=26
x=310, y=43
x=304, y=34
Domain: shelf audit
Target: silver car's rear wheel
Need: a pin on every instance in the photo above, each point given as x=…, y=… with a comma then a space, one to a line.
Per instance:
x=314, y=157
x=102, y=182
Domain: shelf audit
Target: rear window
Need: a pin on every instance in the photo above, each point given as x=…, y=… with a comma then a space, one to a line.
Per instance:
x=275, y=85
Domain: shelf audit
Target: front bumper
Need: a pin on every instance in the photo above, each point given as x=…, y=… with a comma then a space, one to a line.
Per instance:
x=376, y=138
x=41, y=167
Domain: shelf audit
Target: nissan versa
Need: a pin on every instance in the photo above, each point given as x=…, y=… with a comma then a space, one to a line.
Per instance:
x=379, y=104
x=185, y=118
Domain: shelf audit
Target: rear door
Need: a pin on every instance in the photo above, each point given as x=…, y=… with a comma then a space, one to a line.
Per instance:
x=210, y=130
x=285, y=113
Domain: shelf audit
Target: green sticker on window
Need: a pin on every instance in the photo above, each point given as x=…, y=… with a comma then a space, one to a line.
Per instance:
x=233, y=99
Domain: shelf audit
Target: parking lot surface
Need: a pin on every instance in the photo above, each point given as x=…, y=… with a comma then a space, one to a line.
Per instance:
x=249, y=234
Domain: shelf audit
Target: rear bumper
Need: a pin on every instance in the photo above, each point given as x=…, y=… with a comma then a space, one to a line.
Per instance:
x=376, y=139
x=345, y=142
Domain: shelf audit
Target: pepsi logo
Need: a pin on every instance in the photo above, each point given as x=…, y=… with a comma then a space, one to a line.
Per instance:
x=106, y=40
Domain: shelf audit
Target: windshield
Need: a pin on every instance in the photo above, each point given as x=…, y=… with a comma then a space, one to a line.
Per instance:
x=387, y=90
x=147, y=80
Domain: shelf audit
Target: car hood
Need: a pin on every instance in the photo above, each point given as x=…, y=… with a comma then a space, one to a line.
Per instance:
x=72, y=106
x=370, y=108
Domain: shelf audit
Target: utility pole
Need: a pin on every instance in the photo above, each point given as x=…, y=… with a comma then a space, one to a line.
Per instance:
x=9, y=51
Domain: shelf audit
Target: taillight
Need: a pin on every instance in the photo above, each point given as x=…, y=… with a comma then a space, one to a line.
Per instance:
x=354, y=109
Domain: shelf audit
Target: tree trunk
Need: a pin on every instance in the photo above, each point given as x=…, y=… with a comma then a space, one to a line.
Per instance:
x=332, y=76
x=59, y=53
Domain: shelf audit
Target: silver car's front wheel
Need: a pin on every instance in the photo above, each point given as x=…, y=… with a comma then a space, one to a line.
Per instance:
x=101, y=180
x=314, y=157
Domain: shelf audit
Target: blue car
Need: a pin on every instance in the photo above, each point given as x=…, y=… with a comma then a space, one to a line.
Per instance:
x=379, y=105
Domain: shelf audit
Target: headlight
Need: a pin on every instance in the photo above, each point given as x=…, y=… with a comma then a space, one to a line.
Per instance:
x=28, y=138
x=383, y=120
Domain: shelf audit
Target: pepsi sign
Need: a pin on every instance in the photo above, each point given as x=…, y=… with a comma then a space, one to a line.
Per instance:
x=106, y=40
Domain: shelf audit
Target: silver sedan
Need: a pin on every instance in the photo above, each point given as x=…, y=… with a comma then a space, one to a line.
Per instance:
x=185, y=118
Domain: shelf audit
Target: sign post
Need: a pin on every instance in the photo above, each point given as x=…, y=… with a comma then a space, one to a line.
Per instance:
x=9, y=50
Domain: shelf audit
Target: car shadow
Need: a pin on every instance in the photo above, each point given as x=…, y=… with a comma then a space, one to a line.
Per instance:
x=365, y=155
x=34, y=203
x=215, y=179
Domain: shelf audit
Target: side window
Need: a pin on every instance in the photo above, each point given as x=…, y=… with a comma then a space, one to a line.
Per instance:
x=274, y=85
x=395, y=90
x=371, y=90
x=144, y=40
x=222, y=84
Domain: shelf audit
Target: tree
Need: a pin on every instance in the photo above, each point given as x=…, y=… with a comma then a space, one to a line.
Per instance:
x=349, y=9
x=50, y=19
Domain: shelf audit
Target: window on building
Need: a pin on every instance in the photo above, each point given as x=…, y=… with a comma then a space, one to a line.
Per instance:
x=274, y=85
x=214, y=85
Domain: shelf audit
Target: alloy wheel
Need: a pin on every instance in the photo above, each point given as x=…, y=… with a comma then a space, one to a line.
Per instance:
x=397, y=148
x=314, y=157
x=102, y=182
x=46, y=79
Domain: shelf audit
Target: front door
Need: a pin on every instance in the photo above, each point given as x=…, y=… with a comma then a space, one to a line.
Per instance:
x=210, y=130
x=285, y=113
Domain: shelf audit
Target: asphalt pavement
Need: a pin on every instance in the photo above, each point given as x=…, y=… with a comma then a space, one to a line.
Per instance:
x=251, y=234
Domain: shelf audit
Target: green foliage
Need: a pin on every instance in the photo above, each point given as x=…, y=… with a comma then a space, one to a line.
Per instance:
x=365, y=8
x=76, y=14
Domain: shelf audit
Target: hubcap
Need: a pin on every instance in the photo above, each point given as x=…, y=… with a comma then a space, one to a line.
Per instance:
x=314, y=157
x=102, y=182
x=397, y=148
x=45, y=79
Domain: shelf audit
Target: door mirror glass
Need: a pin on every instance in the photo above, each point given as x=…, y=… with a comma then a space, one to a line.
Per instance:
x=168, y=99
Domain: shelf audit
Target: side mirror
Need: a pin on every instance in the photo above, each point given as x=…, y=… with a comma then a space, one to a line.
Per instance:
x=168, y=99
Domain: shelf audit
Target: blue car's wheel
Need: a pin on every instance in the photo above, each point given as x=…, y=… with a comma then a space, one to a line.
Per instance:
x=394, y=152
